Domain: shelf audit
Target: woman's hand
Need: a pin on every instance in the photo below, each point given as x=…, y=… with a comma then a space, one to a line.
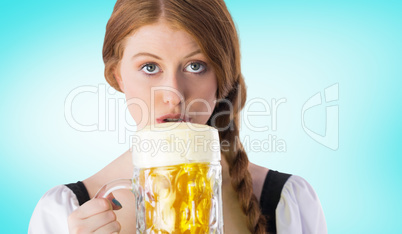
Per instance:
x=95, y=216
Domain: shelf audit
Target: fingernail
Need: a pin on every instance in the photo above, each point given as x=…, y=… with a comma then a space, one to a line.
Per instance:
x=116, y=202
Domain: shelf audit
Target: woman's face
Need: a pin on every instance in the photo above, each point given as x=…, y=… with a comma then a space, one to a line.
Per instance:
x=163, y=73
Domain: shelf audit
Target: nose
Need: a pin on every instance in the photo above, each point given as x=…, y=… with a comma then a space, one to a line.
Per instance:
x=172, y=91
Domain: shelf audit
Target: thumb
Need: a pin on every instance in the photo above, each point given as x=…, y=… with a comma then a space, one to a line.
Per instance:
x=115, y=204
x=112, y=200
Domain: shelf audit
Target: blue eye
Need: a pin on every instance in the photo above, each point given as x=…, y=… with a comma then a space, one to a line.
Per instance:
x=196, y=67
x=150, y=68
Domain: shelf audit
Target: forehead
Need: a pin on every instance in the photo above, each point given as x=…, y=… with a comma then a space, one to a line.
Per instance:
x=162, y=38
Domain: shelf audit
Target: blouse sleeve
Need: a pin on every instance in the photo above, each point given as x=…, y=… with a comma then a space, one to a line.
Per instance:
x=299, y=209
x=51, y=212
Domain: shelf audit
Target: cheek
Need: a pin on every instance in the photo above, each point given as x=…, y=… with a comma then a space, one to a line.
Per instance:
x=138, y=103
x=202, y=104
x=140, y=114
x=134, y=86
x=139, y=111
x=209, y=93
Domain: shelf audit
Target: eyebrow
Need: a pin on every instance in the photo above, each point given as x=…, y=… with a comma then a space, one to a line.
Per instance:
x=157, y=57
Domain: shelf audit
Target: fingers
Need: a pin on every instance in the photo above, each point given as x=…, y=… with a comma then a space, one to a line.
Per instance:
x=99, y=220
x=95, y=215
x=112, y=227
x=104, y=222
x=92, y=207
x=115, y=204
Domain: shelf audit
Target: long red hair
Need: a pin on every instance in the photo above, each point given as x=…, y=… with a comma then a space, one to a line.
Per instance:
x=211, y=25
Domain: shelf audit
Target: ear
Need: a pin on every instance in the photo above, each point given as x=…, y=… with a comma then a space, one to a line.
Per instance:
x=117, y=77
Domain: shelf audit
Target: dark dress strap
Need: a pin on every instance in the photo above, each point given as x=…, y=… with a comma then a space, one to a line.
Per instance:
x=80, y=191
x=270, y=196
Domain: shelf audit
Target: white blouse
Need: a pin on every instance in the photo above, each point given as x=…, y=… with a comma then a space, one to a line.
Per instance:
x=298, y=211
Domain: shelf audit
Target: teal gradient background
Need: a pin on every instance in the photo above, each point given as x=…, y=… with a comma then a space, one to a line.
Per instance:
x=290, y=50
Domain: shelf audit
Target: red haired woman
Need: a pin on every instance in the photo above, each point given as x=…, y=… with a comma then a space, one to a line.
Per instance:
x=190, y=46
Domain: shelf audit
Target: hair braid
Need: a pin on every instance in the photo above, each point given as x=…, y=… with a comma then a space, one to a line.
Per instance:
x=236, y=156
x=243, y=185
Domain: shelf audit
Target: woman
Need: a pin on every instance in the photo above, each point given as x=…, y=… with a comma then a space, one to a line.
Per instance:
x=191, y=49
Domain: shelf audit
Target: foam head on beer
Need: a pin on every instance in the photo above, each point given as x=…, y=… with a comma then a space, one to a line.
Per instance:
x=175, y=143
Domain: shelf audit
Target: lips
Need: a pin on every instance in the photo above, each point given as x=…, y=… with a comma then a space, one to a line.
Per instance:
x=173, y=118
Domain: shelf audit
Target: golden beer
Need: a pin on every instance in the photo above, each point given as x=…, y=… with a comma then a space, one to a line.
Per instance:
x=179, y=198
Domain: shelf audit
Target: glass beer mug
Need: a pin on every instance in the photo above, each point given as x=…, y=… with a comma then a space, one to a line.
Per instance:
x=177, y=179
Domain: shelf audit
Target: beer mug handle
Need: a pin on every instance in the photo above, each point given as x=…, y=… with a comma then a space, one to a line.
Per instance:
x=115, y=185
